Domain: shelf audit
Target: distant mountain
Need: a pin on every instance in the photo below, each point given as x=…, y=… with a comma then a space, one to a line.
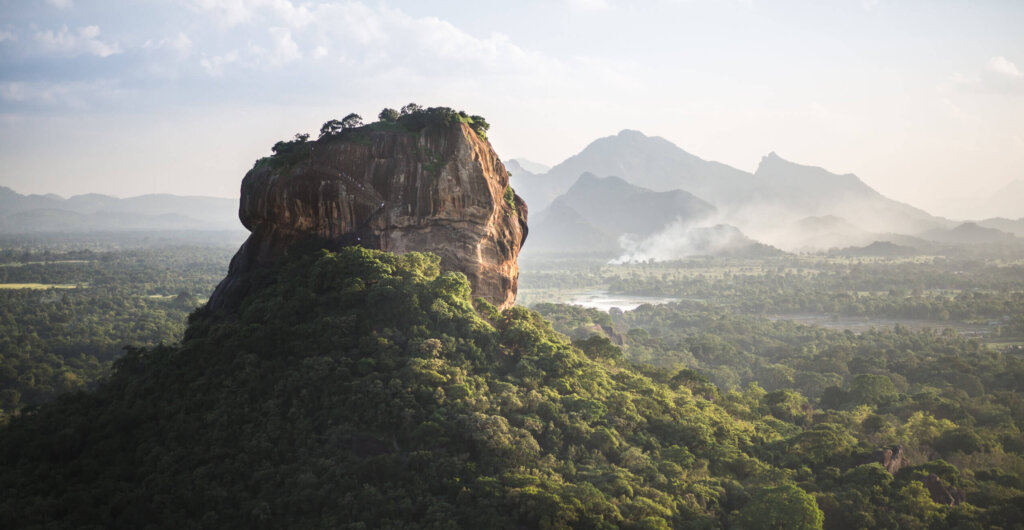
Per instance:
x=619, y=207
x=559, y=228
x=971, y=234
x=95, y=212
x=764, y=204
x=1007, y=201
x=809, y=190
x=885, y=249
x=651, y=162
x=822, y=232
x=52, y=220
x=1012, y=226
x=598, y=211
x=529, y=166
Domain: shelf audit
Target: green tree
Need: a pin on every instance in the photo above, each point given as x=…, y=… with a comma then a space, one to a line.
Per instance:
x=351, y=121
x=784, y=507
x=388, y=115
x=872, y=389
x=331, y=127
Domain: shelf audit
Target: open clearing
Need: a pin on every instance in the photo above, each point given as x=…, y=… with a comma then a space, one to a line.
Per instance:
x=37, y=286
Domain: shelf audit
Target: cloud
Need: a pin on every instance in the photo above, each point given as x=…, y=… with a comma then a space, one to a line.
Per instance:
x=1002, y=66
x=588, y=5
x=367, y=40
x=61, y=4
x=84, y=41
x=227, y=12
x=214, y=66
x=180, y=44
x=999, y=76
x=76, y=95
x=6, y=35
x=232, y=13
x=284, y=50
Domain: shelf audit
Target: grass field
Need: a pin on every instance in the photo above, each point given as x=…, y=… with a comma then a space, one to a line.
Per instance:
x=37, y=286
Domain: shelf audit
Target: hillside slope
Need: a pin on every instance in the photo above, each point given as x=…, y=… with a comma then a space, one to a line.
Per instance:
x=361, y=390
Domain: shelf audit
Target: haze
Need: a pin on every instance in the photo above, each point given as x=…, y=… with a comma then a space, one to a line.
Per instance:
x=922, y=100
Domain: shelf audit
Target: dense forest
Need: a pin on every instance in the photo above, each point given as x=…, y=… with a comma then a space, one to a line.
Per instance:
x=67, y=313
x=361, y=389
x=965, y=290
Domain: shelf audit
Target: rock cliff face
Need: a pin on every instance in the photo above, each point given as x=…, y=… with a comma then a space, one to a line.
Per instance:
x=441, y=190
x=892, y=458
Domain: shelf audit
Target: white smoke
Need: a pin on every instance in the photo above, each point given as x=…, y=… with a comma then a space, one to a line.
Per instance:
x=682, y=239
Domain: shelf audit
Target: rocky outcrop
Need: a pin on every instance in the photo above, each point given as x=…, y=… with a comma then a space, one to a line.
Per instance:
x=441, y=190
x=942, y=494
x=892, y=458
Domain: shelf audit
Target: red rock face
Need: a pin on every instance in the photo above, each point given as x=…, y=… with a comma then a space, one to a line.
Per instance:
x=441, y=190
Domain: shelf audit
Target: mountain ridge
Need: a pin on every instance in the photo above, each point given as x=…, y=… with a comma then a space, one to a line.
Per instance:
x=95, y=211
x=762, y=204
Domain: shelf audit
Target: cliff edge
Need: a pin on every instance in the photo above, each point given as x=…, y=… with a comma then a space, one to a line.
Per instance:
x=430, y=187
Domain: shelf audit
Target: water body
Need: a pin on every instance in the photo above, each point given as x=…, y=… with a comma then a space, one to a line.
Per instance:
x=603, y=301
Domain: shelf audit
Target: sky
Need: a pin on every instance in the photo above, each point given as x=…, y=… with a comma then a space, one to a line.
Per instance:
x=924, y=100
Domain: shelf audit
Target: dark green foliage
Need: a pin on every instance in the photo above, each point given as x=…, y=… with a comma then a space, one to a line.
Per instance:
x=361, y=389
x=835, y=398
x=480, y=125
x=411, y=108
x=510, y=198
x=412, y=119
x=287, y=153
x=351, y=121
x=781, y=508
x=388, y=115
x=61, y=340
x=330, y=128
x=364, y=390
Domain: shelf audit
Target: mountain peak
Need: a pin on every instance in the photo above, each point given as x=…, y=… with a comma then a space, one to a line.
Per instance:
x=772, y=165
x=611, y=182
x=631, y=133
x=528, y=166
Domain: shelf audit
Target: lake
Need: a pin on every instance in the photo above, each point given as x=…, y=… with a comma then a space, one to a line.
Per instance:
x=603, y=301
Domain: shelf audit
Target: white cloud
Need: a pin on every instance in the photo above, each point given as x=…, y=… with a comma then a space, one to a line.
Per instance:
x=180, y=44
x=227, y=12
x=214, y=66
x=1002, y=66
x=375, y=40
x=999, y=76
x=73, y=43
x=61, y=4
x=235, y=12
x=285, y=49
x=168, y=56
x=588, y=5
x=294, y=16
x=76, y=94
x=6, y=35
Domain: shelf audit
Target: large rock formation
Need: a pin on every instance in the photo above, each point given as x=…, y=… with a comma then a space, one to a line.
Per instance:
x=441, y=190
